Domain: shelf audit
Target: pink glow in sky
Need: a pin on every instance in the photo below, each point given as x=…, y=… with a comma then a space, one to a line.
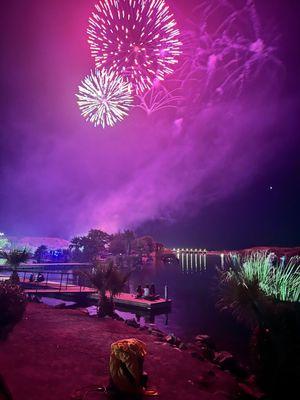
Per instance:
x=60, y=176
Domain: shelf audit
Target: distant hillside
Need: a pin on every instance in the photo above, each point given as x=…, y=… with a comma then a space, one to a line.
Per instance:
x=33, y=242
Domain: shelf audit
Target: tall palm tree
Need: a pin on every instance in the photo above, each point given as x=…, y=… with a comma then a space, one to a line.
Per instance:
x=129, y=237
x=107, y=280
x=14, y=258
x=75, y=247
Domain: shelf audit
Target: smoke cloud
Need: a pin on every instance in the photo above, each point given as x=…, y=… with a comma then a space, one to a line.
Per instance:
x=60, y=176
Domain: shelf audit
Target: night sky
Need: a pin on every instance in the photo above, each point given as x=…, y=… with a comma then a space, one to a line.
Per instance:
x=229, y=178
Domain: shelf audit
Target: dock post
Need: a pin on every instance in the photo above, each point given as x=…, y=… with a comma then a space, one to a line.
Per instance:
x=166, y=292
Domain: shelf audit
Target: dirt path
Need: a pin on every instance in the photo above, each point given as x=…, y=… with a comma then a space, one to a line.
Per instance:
x=52, y=352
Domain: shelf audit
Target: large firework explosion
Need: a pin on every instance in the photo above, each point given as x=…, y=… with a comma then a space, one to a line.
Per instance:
x=137, y=38
x=104, y=97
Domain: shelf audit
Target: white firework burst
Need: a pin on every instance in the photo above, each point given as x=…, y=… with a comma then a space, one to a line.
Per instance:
x=104, y=97
x=138, y=38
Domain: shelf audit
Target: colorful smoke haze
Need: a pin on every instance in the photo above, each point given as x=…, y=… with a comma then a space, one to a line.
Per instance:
x=227, y=137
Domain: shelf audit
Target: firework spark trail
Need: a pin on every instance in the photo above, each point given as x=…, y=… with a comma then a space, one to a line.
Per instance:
x=158, y=98
x=223, y=58
x=138, y=38
x=104, y=98
x=219, y=60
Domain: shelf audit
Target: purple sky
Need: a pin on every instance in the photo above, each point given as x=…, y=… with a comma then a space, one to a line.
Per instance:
x=207, y=184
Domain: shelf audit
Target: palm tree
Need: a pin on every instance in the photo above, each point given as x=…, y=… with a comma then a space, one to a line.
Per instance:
x=129, y=237
x=14, y=258
x=75, y=247
x=266, y=298
x=40, y=253
x=106, y=279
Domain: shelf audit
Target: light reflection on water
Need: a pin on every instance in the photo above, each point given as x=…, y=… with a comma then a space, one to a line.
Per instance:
x=192, y=261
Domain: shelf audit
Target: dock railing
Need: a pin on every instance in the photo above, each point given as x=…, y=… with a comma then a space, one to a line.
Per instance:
x=53, y=280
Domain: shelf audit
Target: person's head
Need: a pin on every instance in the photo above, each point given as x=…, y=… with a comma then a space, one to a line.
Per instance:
x=12, y=307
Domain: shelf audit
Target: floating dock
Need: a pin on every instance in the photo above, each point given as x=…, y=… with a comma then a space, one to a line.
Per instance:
x=129, y=300
x=124, y=299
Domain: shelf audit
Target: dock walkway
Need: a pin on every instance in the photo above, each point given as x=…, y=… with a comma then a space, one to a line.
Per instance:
x=124, y=299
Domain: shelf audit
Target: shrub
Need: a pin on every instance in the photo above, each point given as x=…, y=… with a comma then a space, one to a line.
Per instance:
x=12, y=307
x=266, y=297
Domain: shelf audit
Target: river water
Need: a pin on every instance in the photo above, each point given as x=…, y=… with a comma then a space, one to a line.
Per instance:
x=193, y=290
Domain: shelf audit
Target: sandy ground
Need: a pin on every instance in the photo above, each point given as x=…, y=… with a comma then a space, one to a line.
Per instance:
x=52, y=353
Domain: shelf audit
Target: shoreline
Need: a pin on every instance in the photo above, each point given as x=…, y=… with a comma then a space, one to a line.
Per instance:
x=53, y=353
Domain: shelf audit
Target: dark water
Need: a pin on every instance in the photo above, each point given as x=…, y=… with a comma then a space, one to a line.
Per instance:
x=192, y=288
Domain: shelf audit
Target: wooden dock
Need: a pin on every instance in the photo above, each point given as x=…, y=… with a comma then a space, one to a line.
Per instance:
x=124, y=299
x=54, y=287
x=129, y=300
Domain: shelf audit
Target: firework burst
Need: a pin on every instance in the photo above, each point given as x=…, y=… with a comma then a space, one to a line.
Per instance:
x=223, y=60
x=138, y=38
x=104, y=97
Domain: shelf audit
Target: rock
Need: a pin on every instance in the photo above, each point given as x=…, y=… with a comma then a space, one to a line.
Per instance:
x=171, y=339
x=36, y=299
x=132, y=322
x=225, y=360
x=205, y=340
x=207, y=353
x=251, y=392
x=143, y=328
x=223, y=357
x=192, y=346
x=182, y=346
x=158, y=333
x=92, y=311
x=117, y=317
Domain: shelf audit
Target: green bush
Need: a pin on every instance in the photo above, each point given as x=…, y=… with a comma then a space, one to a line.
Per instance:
x=12, y=307
x=266, y=296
